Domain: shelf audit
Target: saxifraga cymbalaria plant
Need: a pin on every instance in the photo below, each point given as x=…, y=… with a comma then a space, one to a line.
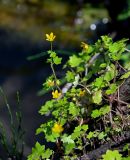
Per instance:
x=88, y=111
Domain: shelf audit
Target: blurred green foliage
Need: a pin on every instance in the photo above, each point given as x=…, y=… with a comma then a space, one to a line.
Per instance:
x=37, y=17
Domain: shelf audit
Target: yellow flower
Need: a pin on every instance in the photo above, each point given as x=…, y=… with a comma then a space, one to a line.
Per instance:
x=56, y=94
x=50, y=37
x=50, y=83
x=84, y=46
x=57, y=128
x=82, y=93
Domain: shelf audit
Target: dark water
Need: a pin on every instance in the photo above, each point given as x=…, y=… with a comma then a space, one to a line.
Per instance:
x=19, y=74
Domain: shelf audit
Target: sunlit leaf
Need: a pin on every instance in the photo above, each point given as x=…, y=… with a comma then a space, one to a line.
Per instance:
x=96, y=113
x=57, y=60
x=126, y=75
x=67, y=139
x=112, y=155
x=112, y=89
x=97, y=97
x=105, y=109
x=70, y=76
x=74, y=61
x=74, y=109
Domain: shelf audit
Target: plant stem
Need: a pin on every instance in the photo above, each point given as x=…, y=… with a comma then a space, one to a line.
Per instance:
x=110, y=114
x=85, y=88
x=55, y=76
x=127, y=50
x=8, y=106
x=52, y=67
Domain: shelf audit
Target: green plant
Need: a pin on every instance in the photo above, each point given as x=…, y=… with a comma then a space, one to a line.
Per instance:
x=88, y=110
x=13, y=149
x=114, y=155
x=39, y=152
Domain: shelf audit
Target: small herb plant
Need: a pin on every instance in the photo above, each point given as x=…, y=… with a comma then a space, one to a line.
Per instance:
x=13, y=147
x=88, y=111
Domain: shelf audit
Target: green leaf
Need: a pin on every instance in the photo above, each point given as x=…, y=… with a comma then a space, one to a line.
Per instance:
x=73, y=109
x=105, y=109
x=96, y=113
x=103, y=65
x=77, y=132
x=80, y=69
x=97, y=97
x=125, y=158
x=85, y=127
x=39, y=152
x=55, y=113
x=117, y=129
x=74, y=61
x=69, y=147
x=96, y=133
x=52, y=137
x=126, y=147
x=112, y=155
x=47, y=107
x=111, y=73
x=112, y=89
x=52, y=54
x=90, y=49
x=77, y=129
x=47, y=153
x=90, y=135
x=57, y=60
x=116, y=49
x=67, y=139
x=46, y=128
x=76, y=81
x=102, y=135
x=75, y=135
x=99, y=82
x=41, y=129
x=126, y=75
x=86, y=78
x=107, y=40
x=70, y=76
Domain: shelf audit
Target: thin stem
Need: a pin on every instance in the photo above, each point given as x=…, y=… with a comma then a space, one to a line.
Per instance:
x=8, y=106
x=52, y=157
x=118, y=98
x=84, y=149
x=86, y=69
x=52, y=67
x=81, y=122
x=85, y=88
x=54, y=76
x=114, y=80
x=110, y=114
x=127, y=50
x=93, y=58
x=121, y=66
